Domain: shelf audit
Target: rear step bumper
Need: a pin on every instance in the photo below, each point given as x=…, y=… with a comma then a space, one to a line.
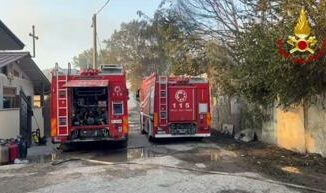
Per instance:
x=65, y=141
x=179, y=136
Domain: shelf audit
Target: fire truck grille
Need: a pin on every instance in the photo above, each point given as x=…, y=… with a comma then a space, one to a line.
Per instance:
x=183, y=129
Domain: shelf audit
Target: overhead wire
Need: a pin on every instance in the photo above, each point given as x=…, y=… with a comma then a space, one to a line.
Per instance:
x=97, y=36
x=107, y=2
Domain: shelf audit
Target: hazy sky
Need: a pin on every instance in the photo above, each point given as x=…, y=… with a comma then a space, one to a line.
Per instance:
x=64, y=26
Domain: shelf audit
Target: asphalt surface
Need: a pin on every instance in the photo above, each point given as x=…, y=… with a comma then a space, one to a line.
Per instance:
x=174, y=166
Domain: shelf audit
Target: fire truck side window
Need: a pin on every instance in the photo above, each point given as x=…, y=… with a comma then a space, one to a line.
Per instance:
x=117, y=109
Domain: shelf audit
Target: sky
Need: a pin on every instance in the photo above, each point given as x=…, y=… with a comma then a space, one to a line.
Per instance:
x=64, y=26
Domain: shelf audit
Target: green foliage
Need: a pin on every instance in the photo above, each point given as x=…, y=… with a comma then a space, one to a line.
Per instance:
x=265, y=77
x=83, y=60
x=136, y=46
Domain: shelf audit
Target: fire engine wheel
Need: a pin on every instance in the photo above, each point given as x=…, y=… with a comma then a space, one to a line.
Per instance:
x=142, y=129
x=66, y=147
x=123, y=144
x=150, y=131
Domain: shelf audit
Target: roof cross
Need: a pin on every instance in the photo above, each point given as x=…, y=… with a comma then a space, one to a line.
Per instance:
x=34, y=38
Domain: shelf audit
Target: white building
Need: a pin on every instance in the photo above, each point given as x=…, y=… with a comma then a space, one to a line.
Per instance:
x=20, y=80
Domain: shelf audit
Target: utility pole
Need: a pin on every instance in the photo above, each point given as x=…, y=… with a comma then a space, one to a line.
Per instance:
x=34, y=38
x=94, y=43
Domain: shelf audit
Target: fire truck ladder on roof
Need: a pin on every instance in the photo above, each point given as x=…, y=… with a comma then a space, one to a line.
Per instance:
x=163, y=100
x=62, y=103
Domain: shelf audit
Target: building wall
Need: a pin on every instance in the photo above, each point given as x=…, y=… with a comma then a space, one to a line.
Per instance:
x=302, y=129
x=21, y=82
x=10, y=129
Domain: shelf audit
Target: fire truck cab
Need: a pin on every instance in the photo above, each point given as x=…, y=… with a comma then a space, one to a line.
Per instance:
x=89, y=105
x=175, y=107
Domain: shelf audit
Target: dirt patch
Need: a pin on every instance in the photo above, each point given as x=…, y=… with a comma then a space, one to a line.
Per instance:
x=277, y=163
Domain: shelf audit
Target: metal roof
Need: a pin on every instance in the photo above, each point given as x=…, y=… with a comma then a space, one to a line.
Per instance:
x=8, y=40
x=9, y=57
x=25, y=62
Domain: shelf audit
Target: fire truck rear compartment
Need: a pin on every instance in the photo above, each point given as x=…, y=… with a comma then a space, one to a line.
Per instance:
x=89, y=113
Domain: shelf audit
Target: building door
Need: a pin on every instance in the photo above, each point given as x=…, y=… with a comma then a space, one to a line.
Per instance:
x=25, y=113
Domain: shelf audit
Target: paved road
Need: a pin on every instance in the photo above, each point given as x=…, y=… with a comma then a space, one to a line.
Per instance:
x=181, y=166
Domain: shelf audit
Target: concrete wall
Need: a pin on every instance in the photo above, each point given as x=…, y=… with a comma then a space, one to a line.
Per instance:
x=315, y=135
x=269, y=132
x=226, y=110
x=9, y=127
x=290, y=129
x=9, y=119
x=302, y=129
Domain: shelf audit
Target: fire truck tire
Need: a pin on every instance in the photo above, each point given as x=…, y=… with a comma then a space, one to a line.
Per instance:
x=199, y=139
x=123, y=144
x=142, y=131
x=150, y=131
x=66, y=147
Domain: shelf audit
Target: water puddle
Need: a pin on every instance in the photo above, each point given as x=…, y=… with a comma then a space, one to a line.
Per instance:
x=108, y=155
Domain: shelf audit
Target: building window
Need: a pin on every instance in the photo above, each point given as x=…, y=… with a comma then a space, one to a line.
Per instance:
x=37, y=101
x=16, y=74
x=4, y=70
x=10, y=99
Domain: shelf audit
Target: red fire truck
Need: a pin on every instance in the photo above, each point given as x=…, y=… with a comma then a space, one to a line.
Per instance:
x=90, y=105
x=175, y=107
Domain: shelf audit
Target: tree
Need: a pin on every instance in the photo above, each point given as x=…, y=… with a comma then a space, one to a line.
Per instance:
x=84, y=59
x=184, y=50
x=136, y=46
x=249, y=32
